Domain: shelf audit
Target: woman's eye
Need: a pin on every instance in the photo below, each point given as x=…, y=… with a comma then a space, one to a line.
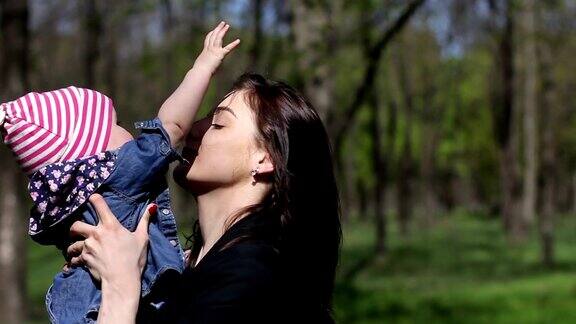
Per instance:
x=217, y=126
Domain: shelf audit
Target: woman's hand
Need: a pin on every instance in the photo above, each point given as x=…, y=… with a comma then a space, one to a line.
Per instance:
x=111, y=252
x=115, y=256
x=213, y=52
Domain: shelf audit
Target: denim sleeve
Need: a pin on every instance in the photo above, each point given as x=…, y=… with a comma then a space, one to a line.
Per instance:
x=143, y=161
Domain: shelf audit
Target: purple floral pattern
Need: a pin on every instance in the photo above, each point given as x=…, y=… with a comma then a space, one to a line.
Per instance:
x=59, y=189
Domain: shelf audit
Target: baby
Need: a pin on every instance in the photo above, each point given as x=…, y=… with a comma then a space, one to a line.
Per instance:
x=68, y=143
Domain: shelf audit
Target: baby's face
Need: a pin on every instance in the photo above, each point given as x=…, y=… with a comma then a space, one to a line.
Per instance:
x=118, y=137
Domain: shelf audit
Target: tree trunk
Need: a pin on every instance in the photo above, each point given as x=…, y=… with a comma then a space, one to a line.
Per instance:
x=363, y=200
x=549, y=157
x=380, y=174
x=13, y=231
x=574, y=193
x=504, y=127
x=315, y=43
x=511, y=190
x=92, y=29
x=406, y=163
x=256, y=47
x=280, y=45
x=111, y=52
x=168, y=57
x=530, y=113
x=347, y=171
x=404, y=190
x=428, y=167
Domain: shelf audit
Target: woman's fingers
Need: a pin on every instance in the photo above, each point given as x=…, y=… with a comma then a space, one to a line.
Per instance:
x=90, y=262
x=77, y=261
x=187, y=256
x=89, y=246
x=80, y=228
x=105, y=215
x=142, y=228
x=74, y=249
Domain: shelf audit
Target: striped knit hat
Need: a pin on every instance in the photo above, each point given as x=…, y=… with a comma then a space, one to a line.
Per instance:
x=56, y=126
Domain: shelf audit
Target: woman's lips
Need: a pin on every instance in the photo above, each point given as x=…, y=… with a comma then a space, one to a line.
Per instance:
x=189, y=154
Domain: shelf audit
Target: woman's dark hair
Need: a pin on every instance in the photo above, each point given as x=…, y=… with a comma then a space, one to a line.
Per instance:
x=304, y=195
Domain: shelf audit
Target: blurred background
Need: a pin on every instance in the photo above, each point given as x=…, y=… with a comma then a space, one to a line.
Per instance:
x=453, y=125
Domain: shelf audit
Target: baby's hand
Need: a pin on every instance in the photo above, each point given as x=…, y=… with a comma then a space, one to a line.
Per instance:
x=213, y=52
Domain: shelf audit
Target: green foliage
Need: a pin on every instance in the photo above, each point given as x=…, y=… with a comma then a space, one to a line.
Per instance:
x=461, y=271
x=43, y=264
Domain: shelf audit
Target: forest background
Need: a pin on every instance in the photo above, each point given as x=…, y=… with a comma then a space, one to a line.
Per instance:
x=452, y=125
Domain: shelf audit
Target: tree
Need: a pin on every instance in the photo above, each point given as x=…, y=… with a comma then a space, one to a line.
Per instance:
x=256, y=47
x=530, y=93
x=13, y=231
x=168, y=30
x=550, y=111
x=314, y=39
x=504, y=118
x=379, y=163
x=339, y=123
x=92, y=24
x=406, y=164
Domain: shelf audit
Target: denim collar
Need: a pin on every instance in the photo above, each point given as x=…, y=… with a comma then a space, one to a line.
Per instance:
x=59, y=189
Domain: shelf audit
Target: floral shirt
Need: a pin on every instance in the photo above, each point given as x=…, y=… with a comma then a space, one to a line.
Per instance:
x=58, y=189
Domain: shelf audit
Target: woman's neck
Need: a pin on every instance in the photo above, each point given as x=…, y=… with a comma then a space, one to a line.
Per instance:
x=216, y=206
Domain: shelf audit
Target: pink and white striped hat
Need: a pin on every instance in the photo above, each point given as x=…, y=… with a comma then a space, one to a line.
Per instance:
x=56, y=126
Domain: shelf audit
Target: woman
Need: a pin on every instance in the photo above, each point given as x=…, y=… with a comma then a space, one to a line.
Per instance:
x=267, y=244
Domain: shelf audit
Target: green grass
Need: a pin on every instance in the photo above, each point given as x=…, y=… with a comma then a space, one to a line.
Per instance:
x=43, y=264
x=461, y=271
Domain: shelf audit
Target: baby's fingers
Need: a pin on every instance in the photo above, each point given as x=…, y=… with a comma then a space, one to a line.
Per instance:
x=214, y=32
x=207, y=39
x=232, y=46
x=218, y=37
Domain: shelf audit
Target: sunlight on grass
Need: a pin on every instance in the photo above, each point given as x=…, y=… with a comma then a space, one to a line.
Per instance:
x=461, y=271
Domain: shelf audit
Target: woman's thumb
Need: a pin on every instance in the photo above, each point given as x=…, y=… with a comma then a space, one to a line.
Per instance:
x=145, y=220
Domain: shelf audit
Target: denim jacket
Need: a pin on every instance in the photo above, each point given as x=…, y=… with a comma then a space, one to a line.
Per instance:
x=128, y=178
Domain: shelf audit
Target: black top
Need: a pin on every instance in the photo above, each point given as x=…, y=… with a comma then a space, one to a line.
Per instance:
x=238, y=280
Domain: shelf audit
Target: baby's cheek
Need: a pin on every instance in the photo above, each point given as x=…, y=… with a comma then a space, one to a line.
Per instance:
x=118, y=137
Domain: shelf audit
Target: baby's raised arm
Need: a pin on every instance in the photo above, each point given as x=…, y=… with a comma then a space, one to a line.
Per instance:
x=178, y=111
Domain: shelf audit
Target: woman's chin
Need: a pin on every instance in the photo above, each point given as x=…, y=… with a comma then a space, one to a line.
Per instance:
x=194, y=186
x=179, y=175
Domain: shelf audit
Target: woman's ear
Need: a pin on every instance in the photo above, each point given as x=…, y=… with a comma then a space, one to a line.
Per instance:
x=265, y=164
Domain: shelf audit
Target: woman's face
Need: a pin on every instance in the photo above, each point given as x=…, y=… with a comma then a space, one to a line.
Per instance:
x=221, y=148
